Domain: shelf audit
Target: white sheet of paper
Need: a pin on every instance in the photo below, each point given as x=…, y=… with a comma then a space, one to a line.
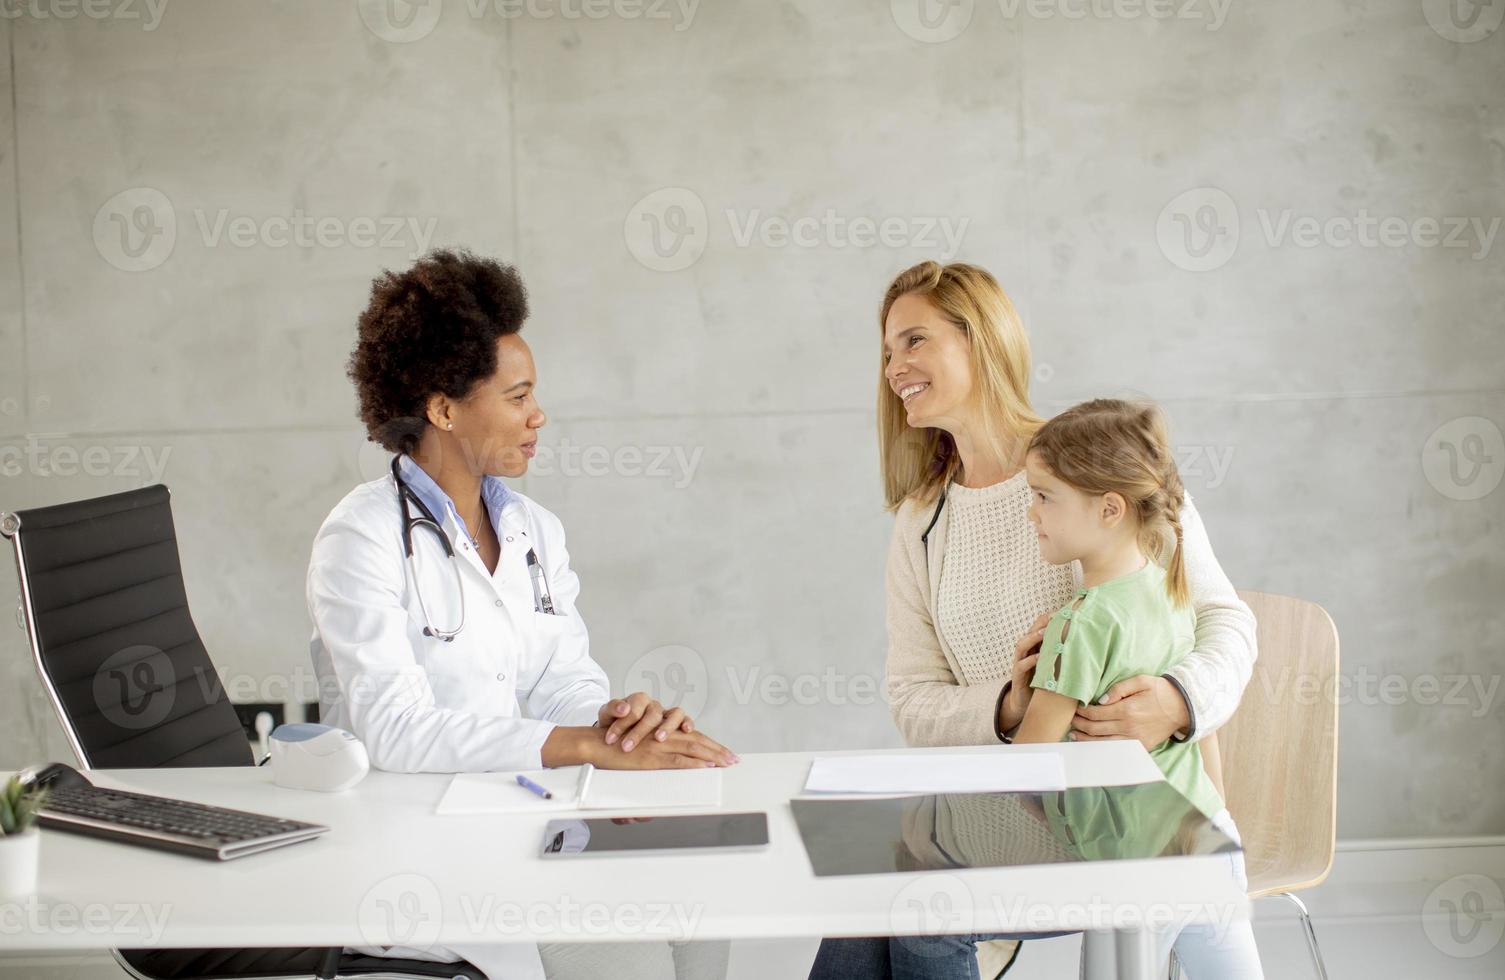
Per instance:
x=629, y=789
x=938, y=773
x=498, y=792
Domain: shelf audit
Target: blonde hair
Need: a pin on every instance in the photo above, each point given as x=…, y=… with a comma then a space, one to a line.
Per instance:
x=1112, y=446
x=919, y=462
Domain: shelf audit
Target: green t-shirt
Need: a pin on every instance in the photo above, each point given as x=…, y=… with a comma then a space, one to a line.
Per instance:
x=1121, y=629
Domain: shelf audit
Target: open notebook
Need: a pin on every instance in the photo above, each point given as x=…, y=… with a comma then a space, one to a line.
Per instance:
x=581, y=788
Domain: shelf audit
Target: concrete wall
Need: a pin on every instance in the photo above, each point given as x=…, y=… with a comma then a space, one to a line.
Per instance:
x=1186, y=207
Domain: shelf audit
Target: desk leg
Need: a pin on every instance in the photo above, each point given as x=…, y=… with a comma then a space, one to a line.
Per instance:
x=1123, y=954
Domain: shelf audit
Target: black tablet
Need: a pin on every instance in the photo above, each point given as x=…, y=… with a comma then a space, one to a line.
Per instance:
x=681, y=833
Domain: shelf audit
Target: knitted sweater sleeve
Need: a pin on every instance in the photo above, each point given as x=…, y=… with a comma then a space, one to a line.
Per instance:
x=931, y=705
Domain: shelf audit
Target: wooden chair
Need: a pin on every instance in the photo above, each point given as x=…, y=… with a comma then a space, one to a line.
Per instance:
x=1280, y=754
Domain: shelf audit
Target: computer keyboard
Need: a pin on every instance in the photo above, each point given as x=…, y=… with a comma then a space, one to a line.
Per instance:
x=210, y=832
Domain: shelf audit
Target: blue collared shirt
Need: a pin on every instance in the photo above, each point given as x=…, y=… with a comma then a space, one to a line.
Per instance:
x=494, y=494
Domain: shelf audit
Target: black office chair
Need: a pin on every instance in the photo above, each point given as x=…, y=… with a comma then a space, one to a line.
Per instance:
x=134, y=688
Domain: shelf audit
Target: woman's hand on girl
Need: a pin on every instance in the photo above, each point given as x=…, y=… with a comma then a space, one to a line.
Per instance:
x=1026, y=654
x=1150, y=709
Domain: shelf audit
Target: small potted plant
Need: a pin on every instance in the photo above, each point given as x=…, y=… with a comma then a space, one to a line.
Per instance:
x=19, y=803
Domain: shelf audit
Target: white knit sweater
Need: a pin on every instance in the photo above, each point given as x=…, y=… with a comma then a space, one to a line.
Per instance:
x=955, y=613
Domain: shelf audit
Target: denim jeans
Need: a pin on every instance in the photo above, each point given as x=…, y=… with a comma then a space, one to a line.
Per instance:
x=903, y=957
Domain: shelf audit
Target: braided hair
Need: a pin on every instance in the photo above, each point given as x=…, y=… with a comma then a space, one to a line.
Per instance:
x=1108, y=445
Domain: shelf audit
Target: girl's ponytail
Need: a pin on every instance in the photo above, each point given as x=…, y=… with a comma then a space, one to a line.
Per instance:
x=1109, y=445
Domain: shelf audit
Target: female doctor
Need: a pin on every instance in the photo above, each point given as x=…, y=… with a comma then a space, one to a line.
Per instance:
x=445, y=630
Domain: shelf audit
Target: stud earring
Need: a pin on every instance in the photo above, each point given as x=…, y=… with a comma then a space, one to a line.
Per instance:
x=450, y=426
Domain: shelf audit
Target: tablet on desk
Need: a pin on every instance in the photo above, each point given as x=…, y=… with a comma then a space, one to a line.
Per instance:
x=679, y=834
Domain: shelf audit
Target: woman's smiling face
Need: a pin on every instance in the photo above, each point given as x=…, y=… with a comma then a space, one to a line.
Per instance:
x=927, y=364
x=497, y=423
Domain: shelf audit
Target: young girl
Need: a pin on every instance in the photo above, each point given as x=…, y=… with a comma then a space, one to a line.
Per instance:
x=1105, y=493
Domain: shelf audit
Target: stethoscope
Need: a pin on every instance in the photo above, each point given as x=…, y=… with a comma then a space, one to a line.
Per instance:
x=542, y=595
x=934, y=519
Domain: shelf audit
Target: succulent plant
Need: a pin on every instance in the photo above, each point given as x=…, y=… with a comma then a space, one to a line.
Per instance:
x=19, y=803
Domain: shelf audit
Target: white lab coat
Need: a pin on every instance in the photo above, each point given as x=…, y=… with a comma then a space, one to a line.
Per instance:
x=484, y=701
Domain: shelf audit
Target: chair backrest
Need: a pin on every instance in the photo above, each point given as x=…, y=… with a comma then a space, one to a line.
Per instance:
x=105, y=607
x=1280, y=749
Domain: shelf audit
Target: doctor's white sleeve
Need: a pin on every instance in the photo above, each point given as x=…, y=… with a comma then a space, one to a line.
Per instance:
x=355, y=581
x=572, y=687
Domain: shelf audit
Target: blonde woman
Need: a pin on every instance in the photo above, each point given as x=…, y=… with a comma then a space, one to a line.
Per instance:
x=968, y=592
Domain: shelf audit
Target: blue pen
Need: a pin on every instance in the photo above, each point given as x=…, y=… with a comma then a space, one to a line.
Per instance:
x=533, y=787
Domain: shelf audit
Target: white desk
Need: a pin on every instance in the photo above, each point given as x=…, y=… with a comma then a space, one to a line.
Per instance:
x=391, y=872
